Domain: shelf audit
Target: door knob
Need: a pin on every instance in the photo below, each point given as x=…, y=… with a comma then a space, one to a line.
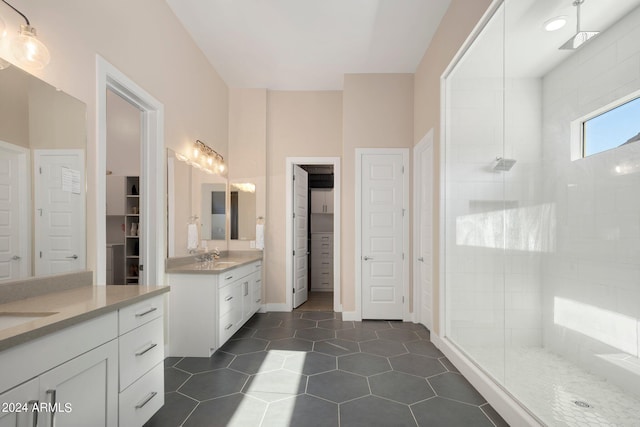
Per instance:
x=15, y=258
x=73, y=256
x=421, y=259
x=366, y=258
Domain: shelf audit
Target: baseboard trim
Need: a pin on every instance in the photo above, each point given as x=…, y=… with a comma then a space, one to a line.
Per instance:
x=507, y=407
x=351, y=316
x=276, y=307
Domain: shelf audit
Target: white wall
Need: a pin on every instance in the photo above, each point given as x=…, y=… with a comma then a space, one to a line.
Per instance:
x=597, y=262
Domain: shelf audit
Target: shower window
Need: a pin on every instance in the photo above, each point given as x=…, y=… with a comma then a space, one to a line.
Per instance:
x=614, y=128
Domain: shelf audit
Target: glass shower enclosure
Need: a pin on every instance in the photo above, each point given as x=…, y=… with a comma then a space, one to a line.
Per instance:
x=541, y=243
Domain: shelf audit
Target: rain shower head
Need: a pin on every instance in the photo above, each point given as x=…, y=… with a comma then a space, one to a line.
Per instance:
x=581, y=37
x=503, y=165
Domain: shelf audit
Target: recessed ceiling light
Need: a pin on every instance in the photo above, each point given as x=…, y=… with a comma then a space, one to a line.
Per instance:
x=556, y=23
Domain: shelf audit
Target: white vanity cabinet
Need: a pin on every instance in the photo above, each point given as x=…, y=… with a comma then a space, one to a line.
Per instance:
x=76, y=382
x=106, y=371
x=206, y=309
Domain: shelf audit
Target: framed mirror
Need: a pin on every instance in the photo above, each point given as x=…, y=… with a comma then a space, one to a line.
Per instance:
x=195, y=196
x=242, y=210
x=42, y=178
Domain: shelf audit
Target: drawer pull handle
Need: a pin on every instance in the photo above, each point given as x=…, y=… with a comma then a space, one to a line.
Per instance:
x=325, y=263
x=229, y=298
x=228, y=326
x=52, y=404
x=144, y=313
x=228, y=278
x=258, y=300
x=150, y=347
x=146, y=400
x=258, y=281
x=34, y=414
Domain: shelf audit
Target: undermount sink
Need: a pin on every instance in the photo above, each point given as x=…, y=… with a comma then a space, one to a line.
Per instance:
x=11, y=319
x=224, y=263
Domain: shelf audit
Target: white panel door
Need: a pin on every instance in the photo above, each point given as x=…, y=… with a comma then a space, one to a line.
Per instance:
x=424, y=251
x=59, y=204
x=300, y=235
x=382, y=210
x=14, y=219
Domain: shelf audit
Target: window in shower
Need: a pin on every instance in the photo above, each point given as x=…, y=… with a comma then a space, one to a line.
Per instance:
x=613, y=128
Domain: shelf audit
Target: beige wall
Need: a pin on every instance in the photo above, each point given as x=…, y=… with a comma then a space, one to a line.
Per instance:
x=299, y=124
x=248, y=146
x=378, y=113
x=455, y=27
x=145, y=41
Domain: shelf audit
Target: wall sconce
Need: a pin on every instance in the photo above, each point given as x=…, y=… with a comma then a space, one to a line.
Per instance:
x=25, y=47
x=205, y=158
x=246, y=187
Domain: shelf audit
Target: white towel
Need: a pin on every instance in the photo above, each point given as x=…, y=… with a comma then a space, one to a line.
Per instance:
x=192, y=237
x=259, y=236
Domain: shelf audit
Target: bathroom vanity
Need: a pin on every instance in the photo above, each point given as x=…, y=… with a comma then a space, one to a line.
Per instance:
x=85, y=355
x=210, y=301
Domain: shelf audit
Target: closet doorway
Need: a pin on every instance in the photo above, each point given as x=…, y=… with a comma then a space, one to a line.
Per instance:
x=321, y=239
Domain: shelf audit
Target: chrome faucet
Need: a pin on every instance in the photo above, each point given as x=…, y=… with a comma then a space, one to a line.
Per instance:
x=216, y=253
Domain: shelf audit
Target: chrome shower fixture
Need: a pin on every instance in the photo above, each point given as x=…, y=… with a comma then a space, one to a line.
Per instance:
x=503, y=165
x=581, y=37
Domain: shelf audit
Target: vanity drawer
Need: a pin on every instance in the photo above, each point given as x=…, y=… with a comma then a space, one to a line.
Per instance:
x=140, y=350
x=237, y=273
x=229, y=297
x=143, y=398
x=137, y=314
x=228, y=324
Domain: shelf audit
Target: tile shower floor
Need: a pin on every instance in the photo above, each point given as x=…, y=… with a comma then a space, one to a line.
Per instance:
x=313, y=369
x=550, y=385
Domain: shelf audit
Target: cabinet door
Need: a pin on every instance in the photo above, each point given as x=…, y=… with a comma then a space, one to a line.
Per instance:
x=16, y=405
x=115, y=195
x=328, y=201
x=247, y=298
x=84, y=391
x=256, y=284
x=317, y=201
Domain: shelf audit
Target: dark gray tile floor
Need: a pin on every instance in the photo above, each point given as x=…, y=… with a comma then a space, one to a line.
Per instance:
x=312, y=369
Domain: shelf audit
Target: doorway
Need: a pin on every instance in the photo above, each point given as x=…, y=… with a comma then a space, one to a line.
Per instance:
x=294, y=238
x=423, y=231
x=151, y=185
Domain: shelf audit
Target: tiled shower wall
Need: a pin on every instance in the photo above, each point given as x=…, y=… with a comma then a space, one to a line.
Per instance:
x=591, y=282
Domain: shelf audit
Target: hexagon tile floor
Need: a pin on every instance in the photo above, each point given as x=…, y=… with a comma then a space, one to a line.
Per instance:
x=313, y=369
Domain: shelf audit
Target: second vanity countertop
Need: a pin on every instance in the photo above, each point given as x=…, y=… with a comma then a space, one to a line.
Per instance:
x=68, y=307
x=227, y=261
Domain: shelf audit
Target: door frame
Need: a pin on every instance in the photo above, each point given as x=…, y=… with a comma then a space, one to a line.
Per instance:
x=152, y=172
x=425, y=143
x=405, y=227
x=290, y=161
x=24, y=203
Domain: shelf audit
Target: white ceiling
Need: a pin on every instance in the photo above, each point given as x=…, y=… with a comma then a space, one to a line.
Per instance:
x=309, y=44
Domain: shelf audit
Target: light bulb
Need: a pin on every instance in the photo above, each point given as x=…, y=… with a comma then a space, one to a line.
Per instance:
x=28, y=50
x=210, y=160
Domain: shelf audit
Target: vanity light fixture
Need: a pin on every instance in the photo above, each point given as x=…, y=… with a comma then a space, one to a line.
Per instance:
x=25, y=47
x=205, y=158
x=246, y=187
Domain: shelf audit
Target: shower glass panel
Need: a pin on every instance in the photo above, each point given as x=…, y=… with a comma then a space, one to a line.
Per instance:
x=475, y=202
x=541, y=244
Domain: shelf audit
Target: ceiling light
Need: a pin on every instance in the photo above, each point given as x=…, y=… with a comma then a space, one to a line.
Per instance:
x=556, y=23
x=26, y=48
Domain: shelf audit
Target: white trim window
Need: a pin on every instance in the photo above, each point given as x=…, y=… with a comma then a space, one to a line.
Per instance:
x=618, y=125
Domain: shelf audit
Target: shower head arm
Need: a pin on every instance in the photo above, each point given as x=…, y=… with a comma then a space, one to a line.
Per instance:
x=577, y=4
